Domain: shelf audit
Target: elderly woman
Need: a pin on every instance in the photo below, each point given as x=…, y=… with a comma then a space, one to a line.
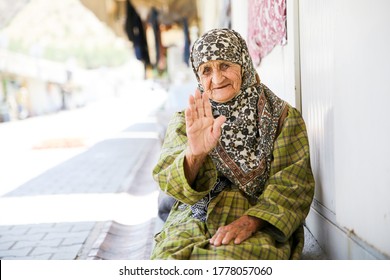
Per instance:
x=236, y=161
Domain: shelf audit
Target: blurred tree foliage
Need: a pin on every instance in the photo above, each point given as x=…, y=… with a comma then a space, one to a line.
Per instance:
x=62, y=31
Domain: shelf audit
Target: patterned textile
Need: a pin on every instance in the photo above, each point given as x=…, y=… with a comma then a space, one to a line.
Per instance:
x=283, y=204
x=268, y=27
x=199, y=209
x=244, y=151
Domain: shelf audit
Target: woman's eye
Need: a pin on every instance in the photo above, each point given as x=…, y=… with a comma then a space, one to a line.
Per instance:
x=206, y=70
x=224, y=66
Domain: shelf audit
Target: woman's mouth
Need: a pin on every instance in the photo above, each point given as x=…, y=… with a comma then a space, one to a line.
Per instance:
x=220, y=87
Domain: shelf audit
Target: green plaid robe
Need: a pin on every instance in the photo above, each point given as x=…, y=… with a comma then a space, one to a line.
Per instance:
x=284, y=203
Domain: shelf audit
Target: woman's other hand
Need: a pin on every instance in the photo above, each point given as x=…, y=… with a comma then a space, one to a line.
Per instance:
x=239, y=230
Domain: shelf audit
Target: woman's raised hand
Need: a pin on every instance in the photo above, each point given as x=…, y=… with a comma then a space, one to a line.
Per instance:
x=203, y=131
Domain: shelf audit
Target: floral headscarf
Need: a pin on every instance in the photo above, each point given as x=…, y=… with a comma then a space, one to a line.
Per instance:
x=244, y=152
x=224, y=44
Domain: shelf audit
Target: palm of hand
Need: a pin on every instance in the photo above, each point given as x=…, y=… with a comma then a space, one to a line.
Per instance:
x=203, y=131
x=201, y=136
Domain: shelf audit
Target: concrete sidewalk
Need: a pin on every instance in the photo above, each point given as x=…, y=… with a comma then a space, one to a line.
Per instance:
x=66, y=176
x=58, y=213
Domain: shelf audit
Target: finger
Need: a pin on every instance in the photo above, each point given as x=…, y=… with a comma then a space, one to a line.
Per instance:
x=217, y=126
x=199, y=104
x=242, y=236
x=206, y=104
x=192, y=107
x=216, y=240
x=188, y=117
x=228, y=237
x=212, y=240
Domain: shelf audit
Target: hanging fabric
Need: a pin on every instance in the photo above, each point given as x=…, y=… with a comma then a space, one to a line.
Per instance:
x=153, y=21
x=267, y=27
x=187, y=42
x=136, y=33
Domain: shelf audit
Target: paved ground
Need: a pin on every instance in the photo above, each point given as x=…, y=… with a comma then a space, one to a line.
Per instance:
x=77, y=185
x=66, y=177
x=78, y=197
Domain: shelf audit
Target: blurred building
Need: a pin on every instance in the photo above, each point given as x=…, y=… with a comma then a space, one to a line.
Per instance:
x=47, y=58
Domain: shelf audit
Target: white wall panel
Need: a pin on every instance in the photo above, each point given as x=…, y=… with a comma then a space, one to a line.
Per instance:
x=362, y=127
x=317, y=86
x=240, y=17
x=345, y=81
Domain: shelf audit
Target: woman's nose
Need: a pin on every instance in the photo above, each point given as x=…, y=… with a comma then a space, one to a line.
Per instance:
x=217, y=77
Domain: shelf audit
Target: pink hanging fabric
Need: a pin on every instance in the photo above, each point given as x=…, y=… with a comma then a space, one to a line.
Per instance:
x=267, y=27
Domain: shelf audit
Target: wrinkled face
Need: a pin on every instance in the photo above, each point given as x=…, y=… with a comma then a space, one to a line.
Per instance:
x=222, y=78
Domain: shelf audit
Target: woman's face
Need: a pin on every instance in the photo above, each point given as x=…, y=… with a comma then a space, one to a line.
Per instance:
x=221, y=78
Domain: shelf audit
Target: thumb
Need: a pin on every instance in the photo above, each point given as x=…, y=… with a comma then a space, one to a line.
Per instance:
x=217, y=126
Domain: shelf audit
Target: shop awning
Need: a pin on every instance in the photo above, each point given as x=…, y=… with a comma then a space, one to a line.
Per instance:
x=113, y=12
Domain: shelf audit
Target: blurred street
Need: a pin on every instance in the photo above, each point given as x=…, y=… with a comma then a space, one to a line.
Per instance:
x=68, y=178
x=30, y=146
